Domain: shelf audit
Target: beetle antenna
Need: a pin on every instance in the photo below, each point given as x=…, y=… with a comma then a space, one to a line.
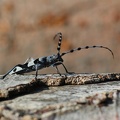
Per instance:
x=87, y=47
x=60, y=41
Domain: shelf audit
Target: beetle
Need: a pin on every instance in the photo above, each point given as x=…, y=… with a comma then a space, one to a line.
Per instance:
x=47, y=61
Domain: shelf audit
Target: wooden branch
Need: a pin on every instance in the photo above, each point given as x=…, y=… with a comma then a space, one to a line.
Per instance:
x=49, y=111
x=78, y=95
x=51, y=80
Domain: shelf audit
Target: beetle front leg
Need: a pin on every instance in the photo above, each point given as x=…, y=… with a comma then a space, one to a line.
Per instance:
x=36, y=69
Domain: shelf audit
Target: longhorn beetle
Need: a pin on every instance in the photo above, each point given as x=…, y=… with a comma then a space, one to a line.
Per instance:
x=47, y=61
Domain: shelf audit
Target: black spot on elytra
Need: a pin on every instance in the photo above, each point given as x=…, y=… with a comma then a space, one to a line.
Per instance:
x=14, y=69
x=36, y=61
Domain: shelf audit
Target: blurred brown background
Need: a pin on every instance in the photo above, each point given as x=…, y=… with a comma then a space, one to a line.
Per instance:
x=27, y=28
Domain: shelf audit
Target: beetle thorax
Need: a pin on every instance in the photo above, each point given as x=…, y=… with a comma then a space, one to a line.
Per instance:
x=53, y=59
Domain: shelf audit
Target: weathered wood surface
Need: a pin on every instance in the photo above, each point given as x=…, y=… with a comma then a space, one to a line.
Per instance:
x=54, y=97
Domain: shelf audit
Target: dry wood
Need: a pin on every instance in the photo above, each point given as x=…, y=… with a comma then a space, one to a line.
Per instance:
x=98, y=100
x=74, y=96
x=56, y=80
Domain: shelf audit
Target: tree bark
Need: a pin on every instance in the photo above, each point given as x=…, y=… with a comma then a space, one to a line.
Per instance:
x=58, y=97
